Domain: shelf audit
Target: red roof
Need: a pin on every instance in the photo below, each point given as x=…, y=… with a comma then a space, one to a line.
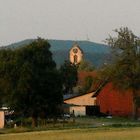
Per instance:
x=82, y=76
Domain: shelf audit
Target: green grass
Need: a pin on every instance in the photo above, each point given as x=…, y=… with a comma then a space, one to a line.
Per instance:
x=84, y=128
x=78, y=134
x=80, y=123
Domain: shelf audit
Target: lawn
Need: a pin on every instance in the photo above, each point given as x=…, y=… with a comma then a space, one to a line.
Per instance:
x=78, y=134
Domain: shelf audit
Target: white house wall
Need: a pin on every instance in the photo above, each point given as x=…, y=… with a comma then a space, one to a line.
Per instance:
x=78, y=110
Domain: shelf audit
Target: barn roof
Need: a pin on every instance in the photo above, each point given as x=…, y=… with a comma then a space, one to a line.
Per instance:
x=82, y=75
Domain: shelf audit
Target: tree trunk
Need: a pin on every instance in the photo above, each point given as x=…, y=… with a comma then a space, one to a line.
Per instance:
x=135, y=108
x=134, y=113
x=34, y=122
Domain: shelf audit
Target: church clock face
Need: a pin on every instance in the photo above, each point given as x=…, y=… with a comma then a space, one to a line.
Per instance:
x=75, y=50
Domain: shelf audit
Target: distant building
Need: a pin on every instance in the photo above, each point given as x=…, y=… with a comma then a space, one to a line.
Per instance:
x=75, y=54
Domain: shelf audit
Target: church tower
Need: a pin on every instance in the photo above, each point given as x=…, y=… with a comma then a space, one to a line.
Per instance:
x=75, y=54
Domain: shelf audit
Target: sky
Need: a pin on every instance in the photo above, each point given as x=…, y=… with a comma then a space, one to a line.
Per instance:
x=66, y=19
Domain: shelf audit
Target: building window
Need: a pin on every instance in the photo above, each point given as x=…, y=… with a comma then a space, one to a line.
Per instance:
x=75, y=59
x=75, y=50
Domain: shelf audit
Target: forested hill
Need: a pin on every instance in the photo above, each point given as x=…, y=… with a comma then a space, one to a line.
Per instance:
x=93, y=52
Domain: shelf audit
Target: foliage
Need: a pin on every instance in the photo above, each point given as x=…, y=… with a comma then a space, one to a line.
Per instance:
x=88, y=83
x=28, y=75
x=69, y=76
x=85, y=66
x=6, y=74
x=126, y=59
x=125, y=69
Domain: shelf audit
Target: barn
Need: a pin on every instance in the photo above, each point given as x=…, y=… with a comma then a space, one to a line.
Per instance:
x=105, y=99
x=115, y=102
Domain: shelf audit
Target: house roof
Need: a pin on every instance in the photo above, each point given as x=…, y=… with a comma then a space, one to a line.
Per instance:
x=67, y=97
x=96, y=87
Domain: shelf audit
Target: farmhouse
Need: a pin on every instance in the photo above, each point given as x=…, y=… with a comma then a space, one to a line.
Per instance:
x=82, y=105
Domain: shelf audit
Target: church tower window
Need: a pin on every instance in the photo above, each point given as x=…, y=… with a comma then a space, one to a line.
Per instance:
x=75, y=59
x=75, y=50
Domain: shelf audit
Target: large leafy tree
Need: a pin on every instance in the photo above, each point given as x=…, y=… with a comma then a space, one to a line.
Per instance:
x=69, y=76
x=88, y=83
x=5, y=74
x=124, y=71
x=35, y=83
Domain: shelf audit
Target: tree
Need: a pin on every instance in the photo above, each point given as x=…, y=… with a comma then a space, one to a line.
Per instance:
x=124, y=71
x=88, y=83
x=6, y=74
x=35, y=83
x=69, y=76
x=85, y=66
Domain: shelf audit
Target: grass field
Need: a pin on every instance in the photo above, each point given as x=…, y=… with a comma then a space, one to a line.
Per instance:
x=77, y=134
x=84, y=128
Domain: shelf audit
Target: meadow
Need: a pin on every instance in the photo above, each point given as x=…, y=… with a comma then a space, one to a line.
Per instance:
x=77, y=134
x=84, y=128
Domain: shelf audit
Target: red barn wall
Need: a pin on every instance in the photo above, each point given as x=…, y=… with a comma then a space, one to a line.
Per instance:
x=117, y=103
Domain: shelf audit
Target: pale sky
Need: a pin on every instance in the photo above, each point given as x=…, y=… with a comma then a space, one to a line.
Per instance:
x=66, y=19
